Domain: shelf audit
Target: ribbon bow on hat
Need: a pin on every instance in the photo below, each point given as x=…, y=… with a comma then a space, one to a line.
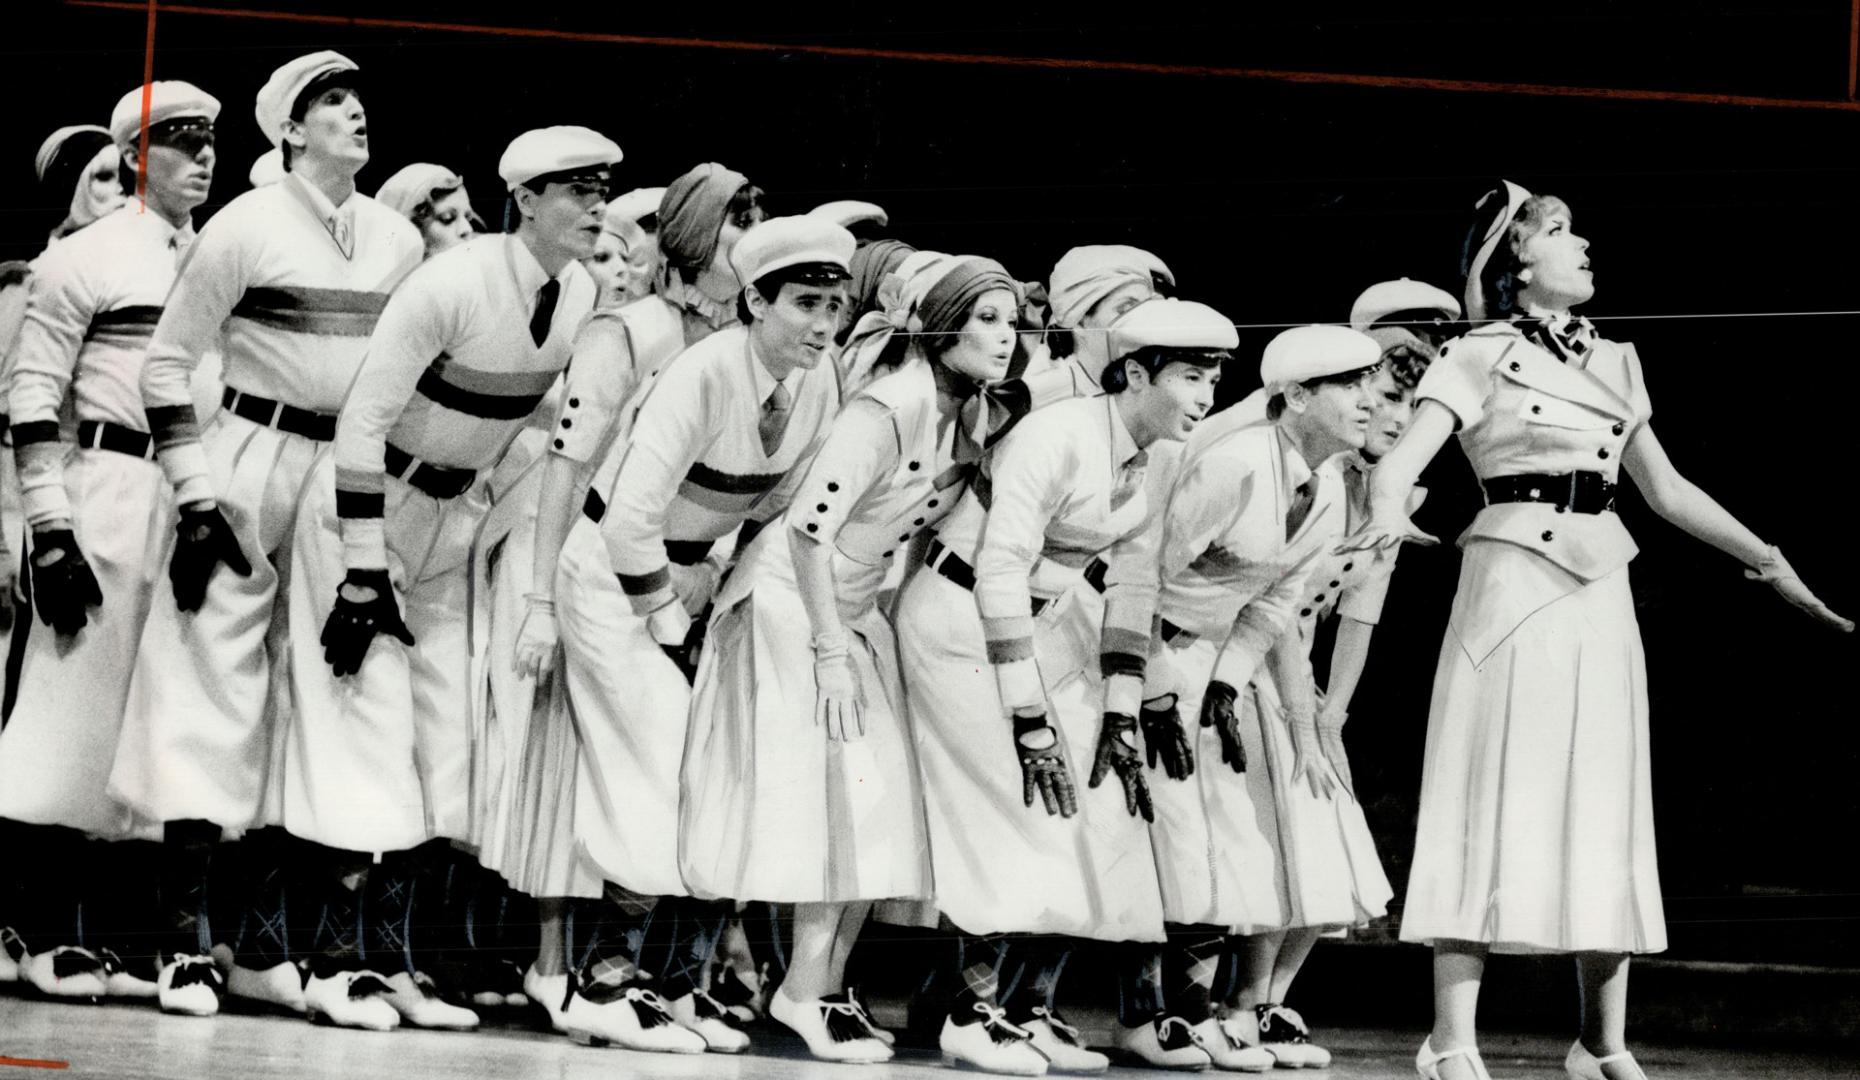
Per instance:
x=1515, y=197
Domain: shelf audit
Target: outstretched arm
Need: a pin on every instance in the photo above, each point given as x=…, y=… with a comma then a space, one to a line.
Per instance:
x=1687, y=506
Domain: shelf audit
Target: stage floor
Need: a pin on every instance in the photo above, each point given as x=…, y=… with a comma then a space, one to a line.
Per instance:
x=140, y=1043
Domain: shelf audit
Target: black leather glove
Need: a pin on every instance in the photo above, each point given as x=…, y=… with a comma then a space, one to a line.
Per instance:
x=1117, y=749
x=1043, y=766
x=203, y=540
x=687, y=653
x=1165, y=740
x=62, y=582
x=1220, y=710
x=353, y=623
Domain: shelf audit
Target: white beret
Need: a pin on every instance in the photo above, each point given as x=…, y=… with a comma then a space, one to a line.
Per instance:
x=281, y=91
x=414, y=184
x=267, y=169
x=781, y=242
x=49, y=148
x=1304, y=353
x=1515, y=196
x=1385, y=298
x=169, y=99
x=635, y=204
x=1086, y=275
x=850, y=212
x=560, y=149
x=1172, y=324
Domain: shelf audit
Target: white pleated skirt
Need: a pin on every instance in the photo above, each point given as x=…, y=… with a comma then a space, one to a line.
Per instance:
x=1536, y=818
x=773, y=810
x=999, y=865
x=1214, y=857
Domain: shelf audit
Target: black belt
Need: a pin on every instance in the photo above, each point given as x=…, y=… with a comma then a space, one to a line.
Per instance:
x=682, y=552
x=275, y=414
x=438, y=481
x=1582, y=492
x=103, y=435
x=955, y=569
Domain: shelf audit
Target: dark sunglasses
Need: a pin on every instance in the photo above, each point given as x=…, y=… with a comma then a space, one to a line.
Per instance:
x=188, y=136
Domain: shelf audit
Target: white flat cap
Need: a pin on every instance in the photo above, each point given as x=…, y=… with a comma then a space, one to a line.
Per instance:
x=1086, y=275
x=49, y=148
x=635, y=204
x=1304, y=353
x=778, y=243
x=267, y=168
x=1385, y=298
x=560, y=149
x=169, y=99
x=414, y=184
x=1172, y=324
x=286, y=84
x=850, y=212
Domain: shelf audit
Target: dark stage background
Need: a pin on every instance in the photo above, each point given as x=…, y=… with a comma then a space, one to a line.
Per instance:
x=1277, y=202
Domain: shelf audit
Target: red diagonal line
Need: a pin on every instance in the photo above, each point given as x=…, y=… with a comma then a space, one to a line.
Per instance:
x=1395, y=82
x=1853, y=48
x=148, y=93
x=34, y=1063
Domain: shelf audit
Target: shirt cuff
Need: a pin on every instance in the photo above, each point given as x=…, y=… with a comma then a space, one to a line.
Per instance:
x=364, y=544
x=1124, y=694
x=1019, y=684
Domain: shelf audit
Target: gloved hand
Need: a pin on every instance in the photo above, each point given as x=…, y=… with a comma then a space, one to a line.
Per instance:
x=536, y=637
x=1043, y=766
x=1220, y=710
x=62, y=582
x=695, y=585
x=839, y=700
x=1330, y=723
x=1308, y=761
x=203, y=540
x=1117, y=749
x=1164, y=738
x=364, y=607
x=1776, y=572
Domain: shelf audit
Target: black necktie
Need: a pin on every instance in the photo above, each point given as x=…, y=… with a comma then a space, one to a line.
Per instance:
x=1301, y=508
x=545, y=311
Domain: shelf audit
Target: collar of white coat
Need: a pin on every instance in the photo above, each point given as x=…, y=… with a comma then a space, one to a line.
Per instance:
x=1524, y=361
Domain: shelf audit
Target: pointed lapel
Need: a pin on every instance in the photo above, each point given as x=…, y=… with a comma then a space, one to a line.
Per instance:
x=1524, y=361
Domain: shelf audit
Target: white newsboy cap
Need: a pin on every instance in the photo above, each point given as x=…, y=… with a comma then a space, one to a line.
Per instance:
x=635, y=204
x=778, y=243
x=286, y=84
x=560, y=149
x=850, y=212
x=267, y=168
x=169, y=99
x=1385, y=298
x=57, y=139
x=1304, y=353
x=1171, y=324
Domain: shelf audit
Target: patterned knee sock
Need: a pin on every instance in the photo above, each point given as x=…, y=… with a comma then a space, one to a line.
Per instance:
x=1188, y=969
x=1139, y=983
x=979, y=961
x=187, y=849
x=1031, y=975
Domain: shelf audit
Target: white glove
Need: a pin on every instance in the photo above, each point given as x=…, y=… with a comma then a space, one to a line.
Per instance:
x=536, y=637
x=839, y=700
x=694, y=585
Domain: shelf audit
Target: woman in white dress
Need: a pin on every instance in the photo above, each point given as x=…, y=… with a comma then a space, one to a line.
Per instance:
x=1536, y=818
x=991, y=674
x=800, y=783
